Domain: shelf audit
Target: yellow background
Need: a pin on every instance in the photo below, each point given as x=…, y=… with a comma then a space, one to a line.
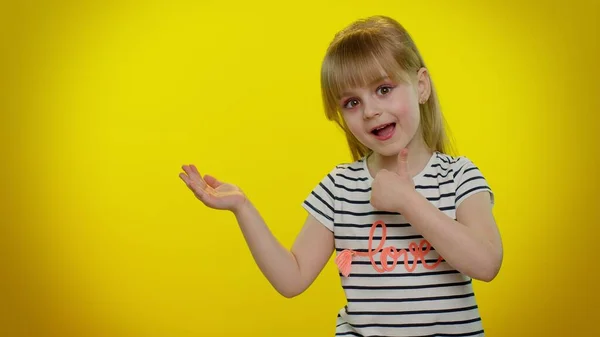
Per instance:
x=103, y=102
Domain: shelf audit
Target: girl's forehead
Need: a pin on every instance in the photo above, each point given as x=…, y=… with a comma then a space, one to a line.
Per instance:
x=348, y=72
x=350, y=89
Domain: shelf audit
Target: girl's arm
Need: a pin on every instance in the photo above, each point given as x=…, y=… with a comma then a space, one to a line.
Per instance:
x=290, y=272
x=471, y=243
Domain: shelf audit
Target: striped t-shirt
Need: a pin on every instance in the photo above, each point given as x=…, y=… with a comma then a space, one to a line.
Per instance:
x=427, y=299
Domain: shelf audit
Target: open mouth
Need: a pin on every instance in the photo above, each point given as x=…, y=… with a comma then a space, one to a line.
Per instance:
x=384, y=131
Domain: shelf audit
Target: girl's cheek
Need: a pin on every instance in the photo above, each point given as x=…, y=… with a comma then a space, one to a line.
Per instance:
x=408, y=109
x=403, y=110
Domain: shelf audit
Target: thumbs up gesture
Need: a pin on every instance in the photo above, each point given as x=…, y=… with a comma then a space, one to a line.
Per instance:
x=390, y=190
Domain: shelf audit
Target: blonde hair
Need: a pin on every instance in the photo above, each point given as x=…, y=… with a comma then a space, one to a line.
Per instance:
x=360, y=54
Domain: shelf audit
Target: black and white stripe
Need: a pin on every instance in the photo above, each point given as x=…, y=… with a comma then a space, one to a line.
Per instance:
x=424, y=302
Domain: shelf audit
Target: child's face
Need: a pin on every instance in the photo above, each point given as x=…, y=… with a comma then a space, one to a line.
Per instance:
x=384, y=116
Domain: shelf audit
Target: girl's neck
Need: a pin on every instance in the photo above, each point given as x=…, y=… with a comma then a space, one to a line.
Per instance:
x=418, y=156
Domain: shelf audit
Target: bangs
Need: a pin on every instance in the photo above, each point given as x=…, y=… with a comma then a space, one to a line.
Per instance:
x=359, y=61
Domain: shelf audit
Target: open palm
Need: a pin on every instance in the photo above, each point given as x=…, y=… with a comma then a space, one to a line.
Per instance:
x=210, y=191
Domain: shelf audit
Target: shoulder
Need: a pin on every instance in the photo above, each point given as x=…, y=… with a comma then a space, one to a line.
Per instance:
x=322, y=201
x=453, y=162
x=347, y=172
x=344, y=178
x=468, y=177
x=459, y=165
x=341, y=175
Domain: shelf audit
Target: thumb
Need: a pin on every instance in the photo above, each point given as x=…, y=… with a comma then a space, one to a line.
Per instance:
x=212, y=181
x=403, y=162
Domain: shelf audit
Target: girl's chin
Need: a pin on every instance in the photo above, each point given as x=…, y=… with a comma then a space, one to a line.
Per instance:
x=388, y=150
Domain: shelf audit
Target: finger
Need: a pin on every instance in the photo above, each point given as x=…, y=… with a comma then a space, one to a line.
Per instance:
x=194, y=176
x=189, y=171
x=185, y=178
x=203, y=196
x=194, y=170
x=202, y=180
x=212, y=181
x=403, y=162
x=193, y=183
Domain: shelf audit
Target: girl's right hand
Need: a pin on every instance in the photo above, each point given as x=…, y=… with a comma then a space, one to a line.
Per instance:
x=210, y=191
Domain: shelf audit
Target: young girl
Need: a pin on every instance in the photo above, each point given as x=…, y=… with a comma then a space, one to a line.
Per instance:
x=411, y=225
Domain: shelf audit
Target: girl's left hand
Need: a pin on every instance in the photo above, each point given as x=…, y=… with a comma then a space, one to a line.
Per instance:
x=390, y=190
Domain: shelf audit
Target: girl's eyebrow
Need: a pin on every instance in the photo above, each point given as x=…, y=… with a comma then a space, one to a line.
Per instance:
x=377, y=80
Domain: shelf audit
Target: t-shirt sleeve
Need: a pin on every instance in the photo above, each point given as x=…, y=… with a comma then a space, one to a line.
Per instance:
x=320, y=203
x=469, y=180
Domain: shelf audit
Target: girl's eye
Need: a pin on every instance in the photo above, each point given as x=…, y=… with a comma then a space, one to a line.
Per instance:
x=350, y=104
x=384, y=90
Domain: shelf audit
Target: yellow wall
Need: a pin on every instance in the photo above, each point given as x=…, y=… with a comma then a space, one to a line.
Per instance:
x=102, y=104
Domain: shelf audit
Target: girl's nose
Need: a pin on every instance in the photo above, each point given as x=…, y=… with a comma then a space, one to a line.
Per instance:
x=371, y=111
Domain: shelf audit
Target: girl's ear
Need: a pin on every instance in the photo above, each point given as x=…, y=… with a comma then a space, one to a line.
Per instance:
x=423, y=85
